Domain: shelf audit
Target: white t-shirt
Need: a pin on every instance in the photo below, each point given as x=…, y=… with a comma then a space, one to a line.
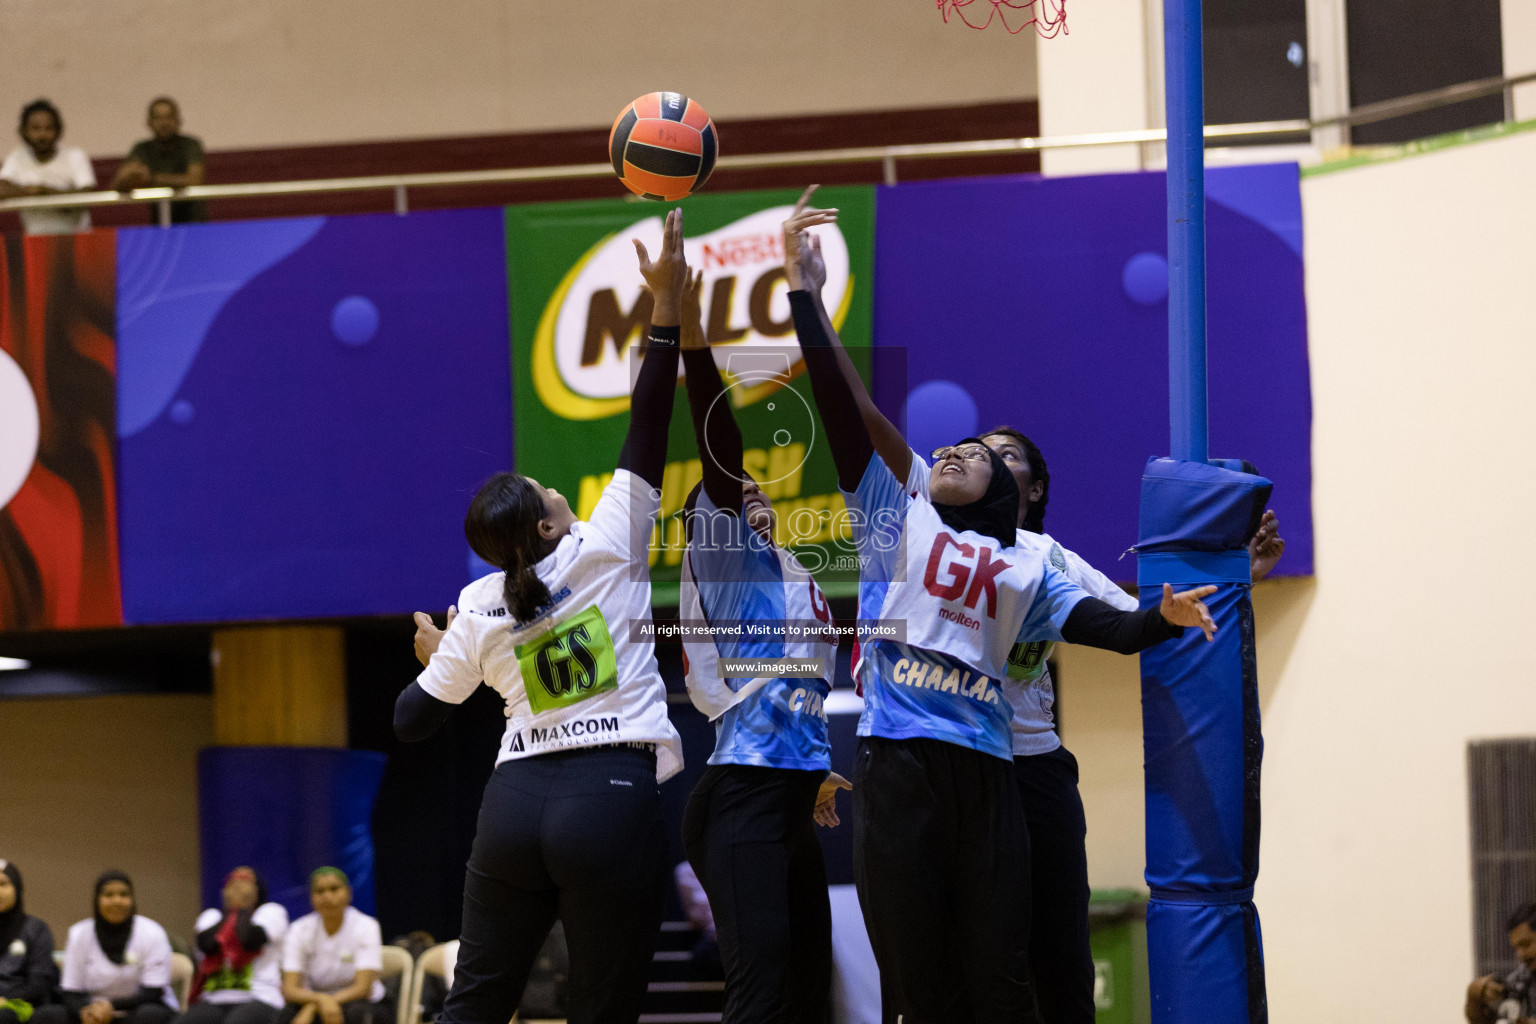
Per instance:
x=146, y=962
x=330, y=962
x=70, y=169
x=575, y=675
x=262, y=980
x=1028, y=685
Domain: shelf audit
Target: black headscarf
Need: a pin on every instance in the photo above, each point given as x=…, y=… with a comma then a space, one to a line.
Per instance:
x=996, y=513
x=113, y=938
x=11, y=920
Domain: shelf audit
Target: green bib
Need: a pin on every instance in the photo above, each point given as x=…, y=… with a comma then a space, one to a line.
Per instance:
x=570, y=663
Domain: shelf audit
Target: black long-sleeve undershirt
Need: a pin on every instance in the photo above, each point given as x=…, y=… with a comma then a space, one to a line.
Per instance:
x=1091, y=622
x=1095, y=623
x=418, y=714
x=717, y=436
x=35, y=975
x=840, y=417
x=650, y=408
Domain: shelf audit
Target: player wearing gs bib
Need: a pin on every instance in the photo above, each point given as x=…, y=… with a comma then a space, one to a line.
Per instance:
x=748, y=826
x=940, y=842
x=570, y=825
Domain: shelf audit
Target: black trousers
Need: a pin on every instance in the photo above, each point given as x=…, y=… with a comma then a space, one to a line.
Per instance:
x=575, y=835
x=252, y=1011
x=358, y=1011
x=144, y=1013
x=1059, y=956
x=751, y=840
x=941, y=862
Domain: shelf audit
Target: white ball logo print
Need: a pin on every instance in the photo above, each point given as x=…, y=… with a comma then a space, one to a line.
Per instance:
x=581, y=367
x=18, y=428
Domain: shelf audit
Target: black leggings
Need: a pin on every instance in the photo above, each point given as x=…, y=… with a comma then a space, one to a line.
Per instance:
x=752, y=842
x=252, y=1011
x=144, y=1013
x=357, y=1011
x=941, y=861
x=575, y=835
x=1059, y=954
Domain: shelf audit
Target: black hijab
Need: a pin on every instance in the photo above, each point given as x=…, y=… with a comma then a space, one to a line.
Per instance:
x=113, y=938
x=11, y=920
x=996, y=513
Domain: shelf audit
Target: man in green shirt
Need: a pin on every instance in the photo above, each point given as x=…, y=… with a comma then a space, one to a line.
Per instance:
x=169, y=160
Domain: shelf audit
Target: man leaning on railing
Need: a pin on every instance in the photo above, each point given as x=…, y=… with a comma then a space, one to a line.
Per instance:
x=42, y=167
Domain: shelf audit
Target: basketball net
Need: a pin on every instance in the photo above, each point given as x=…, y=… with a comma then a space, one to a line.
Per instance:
x=1049, y=17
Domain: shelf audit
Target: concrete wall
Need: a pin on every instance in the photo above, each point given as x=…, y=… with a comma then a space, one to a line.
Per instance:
x=291, y=72
x=104, y=782
x=1414, y=637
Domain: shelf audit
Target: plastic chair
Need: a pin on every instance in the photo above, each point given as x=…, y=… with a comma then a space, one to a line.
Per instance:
x=430, y=962
x=181, y=978
x=397, y=964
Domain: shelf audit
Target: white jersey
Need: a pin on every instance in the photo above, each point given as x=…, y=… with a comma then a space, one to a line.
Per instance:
x=68, y=170
x=579, y=673
x=1028, y=686
x=329, y=963
x=262, y=979
x=146, y=962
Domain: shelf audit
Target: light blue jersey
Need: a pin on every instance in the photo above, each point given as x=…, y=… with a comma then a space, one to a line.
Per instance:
x=760, y=602
x=962, y=603
x=1029, y=686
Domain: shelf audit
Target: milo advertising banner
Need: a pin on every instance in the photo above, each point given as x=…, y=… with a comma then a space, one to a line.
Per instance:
x=578, y=310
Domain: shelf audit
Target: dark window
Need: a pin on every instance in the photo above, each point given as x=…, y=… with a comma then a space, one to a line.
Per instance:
x=1400, y=47
x=1255, y=61
x=1501, y=778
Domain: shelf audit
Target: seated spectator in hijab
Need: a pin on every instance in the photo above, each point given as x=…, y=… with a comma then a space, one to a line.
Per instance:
x=27, y=973
x=240, y=979
x=332, y=959
x=117, y=964
x=169, y=160
x=42, y=167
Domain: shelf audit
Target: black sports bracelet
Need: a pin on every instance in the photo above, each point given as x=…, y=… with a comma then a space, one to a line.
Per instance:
x=665, y=337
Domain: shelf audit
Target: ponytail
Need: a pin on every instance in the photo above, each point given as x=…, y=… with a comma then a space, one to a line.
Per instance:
x=523, y=591
x=502, y=527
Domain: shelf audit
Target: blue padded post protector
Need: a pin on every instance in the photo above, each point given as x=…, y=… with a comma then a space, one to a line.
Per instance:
x=286, y=811
x=1200, y=714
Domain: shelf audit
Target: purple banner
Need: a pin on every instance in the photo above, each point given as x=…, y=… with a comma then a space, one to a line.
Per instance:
x=305, y=408
x=1041, y=303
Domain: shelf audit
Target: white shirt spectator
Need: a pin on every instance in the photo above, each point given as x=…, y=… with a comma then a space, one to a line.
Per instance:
x=146, y=962
x=68, y=169
x=266, y=969
x=327, y=962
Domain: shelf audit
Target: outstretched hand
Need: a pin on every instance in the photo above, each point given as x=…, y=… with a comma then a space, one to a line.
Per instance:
x=803, y=265
x=1266, y=547
x=666, y=277
x=1186, y=609
x=693, y=312
x=825, y=813
x=428, y=636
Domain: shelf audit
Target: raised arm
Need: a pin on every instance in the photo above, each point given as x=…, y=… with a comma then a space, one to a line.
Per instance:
x=650, y=407
x=714, y=425
x=846, y=433
x=812, y=269
x=1095, y=623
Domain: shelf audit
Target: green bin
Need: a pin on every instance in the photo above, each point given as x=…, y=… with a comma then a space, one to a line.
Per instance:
x=1117, y=931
